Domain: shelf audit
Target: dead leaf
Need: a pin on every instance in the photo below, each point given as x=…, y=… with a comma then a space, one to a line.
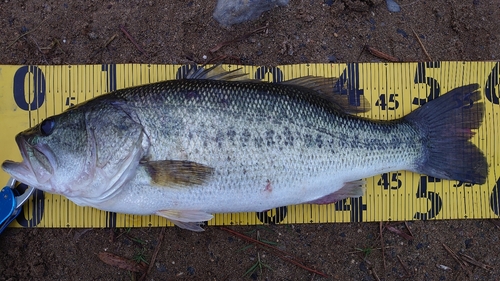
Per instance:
x=399, y=232
x=122, y=263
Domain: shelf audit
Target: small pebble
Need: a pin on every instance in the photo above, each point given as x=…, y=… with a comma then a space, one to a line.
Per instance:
x=333, y=58
x=393, y=6
x=329, y=2
x=161, y=267
x=468, y=243
x=92, y=36
x=443, y=267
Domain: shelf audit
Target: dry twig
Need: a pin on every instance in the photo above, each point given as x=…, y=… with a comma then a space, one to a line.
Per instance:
x=220, y=45
x=282, y=255
x=122, y=28
x=26, y=33
x=399, y=232
x=409, y=230
x=403, y=265
x=38, y=47
x=155, y=254
x=375, y=275
x=380, y=54
x=462, y=263
x=111, y=39
x=422, y=45
x=495, y=222
x=470, y=260
x=381, y=229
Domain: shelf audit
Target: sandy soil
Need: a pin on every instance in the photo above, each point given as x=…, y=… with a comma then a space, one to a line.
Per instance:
x=78, y=32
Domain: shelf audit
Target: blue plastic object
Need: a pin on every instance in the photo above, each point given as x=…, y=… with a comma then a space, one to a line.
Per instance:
x=11, y=203
x=8, y=203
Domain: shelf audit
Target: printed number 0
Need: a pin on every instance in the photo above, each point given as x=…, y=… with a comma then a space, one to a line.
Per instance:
x=36, y=96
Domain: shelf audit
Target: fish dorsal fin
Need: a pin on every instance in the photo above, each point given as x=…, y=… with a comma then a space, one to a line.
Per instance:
x=323, y=87
x=216, y=72
x=175, y=173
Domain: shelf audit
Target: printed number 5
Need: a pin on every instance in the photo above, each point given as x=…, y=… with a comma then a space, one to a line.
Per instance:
x=436, y=203
x=421, y=77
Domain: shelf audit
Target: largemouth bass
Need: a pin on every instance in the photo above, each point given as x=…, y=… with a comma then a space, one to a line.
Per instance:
x=217, y=142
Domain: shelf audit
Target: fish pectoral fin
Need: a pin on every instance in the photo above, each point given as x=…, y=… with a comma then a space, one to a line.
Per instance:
x=177, y=173
x=324, y=88
x=350, y=189
x=187, y=219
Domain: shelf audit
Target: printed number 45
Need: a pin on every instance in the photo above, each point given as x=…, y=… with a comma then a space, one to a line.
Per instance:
x=389, y=103
x=390, y=181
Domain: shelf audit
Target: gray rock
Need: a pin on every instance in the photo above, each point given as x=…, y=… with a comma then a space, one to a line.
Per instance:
x=393, y=6
x=229, y=12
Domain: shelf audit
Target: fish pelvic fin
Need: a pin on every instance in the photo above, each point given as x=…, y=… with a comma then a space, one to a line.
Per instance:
x=186, y=219
x=445, y=124
x=171, y=173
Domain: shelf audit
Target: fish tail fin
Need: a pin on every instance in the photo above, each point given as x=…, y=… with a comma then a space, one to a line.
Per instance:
x=446, y=125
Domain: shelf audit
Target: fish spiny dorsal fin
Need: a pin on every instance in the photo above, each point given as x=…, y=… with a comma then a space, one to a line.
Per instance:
x=217, y=72
x=175, y=173
x=323, y=87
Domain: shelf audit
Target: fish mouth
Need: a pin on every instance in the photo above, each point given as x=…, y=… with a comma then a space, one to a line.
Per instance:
x=37, y=166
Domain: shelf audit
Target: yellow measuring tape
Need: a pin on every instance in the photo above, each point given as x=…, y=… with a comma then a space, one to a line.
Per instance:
x=29, y=94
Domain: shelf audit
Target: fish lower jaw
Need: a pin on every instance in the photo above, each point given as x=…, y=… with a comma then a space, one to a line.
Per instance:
x=21, y=172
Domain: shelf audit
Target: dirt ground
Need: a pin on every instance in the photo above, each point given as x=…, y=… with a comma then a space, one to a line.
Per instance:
x=173, y=32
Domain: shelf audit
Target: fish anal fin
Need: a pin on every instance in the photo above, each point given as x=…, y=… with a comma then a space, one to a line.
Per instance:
x=324, y=88
x=187, y=219
x=350, y=189
x=177, y=173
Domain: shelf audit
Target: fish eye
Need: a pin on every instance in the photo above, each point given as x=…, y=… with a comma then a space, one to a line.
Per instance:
x=47, y=126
